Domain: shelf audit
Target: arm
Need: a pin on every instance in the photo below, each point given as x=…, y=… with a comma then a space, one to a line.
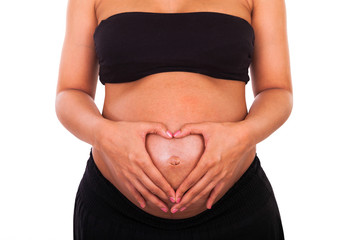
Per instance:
x=77, y=79
x=270, y=71
x=122, y=143
x=226, y=143
x=269, y=111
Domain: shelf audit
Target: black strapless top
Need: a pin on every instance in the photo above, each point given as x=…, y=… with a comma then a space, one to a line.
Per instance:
x=132, y=45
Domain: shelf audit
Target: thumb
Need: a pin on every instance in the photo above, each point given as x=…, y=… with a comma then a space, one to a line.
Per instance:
x=190, y=128
x=158, y=128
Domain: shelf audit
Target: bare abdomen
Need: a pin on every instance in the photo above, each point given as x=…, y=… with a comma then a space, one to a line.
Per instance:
x=175, y=158
x=174, y=99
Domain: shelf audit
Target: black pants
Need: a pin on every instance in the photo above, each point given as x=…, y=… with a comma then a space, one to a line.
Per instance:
x=248, y=211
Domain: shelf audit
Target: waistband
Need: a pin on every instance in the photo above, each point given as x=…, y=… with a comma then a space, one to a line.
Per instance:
x=247, y=194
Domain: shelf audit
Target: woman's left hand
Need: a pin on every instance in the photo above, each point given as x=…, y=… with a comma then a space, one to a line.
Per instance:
x=225, y=143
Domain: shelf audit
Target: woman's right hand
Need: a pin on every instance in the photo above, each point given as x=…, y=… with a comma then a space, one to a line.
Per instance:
x=122, y=143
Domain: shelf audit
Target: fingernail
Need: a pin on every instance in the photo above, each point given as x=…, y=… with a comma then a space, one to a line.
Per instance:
x=182, y=209
x=169, y=133
x=176, y=133
x=164, y=209
x=174, y=210
x=142, y=205
x=172, y=199
x=178, y=200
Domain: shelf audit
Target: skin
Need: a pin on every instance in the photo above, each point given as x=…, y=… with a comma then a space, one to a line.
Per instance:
x=176, y=158
x=176, y=175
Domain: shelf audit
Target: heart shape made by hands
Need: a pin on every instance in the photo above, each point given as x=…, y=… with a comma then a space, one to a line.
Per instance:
x=176, y=157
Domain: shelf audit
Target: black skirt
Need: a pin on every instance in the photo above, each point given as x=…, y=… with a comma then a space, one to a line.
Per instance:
x=248, y=211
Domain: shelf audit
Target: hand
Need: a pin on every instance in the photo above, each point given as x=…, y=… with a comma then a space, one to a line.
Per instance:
x=225, y=144
x=122, y=144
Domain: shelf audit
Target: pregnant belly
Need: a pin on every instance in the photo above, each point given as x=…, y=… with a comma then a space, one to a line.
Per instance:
x=173, y=99
x=175, y=158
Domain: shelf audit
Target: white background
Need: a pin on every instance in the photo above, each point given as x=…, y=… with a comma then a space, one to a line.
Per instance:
x=312, y=161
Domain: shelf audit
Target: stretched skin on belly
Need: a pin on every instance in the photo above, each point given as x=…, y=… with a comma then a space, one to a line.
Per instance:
x=175, y=158
x=174, y=99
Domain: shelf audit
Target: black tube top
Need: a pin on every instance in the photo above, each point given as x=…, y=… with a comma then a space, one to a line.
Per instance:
x=132, y=45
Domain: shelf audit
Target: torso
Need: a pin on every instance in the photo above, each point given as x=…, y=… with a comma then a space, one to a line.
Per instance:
x=174, y=98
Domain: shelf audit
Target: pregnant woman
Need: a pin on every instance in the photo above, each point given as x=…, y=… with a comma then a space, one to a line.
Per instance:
x=174, y=150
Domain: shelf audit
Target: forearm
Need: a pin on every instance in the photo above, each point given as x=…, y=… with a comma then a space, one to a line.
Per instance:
x=79, y=114
x=270, y=109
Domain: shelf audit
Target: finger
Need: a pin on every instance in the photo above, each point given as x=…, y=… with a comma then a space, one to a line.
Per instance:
x=158, y=128
x=203, y=194
x=214, y=194
x=136, y=194
x=145, y=180
x=157, y=178
x=194, y=176
x=203, y=166
x=202, y=188
x=148, y=196
x=190, y=128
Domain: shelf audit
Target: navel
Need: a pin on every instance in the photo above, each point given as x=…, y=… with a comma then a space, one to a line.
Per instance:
x=174, y=160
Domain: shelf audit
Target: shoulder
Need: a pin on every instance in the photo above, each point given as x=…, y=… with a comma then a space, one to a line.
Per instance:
x=81, y=11
x=267, y=7
x=271, y=65
x=78, y=65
